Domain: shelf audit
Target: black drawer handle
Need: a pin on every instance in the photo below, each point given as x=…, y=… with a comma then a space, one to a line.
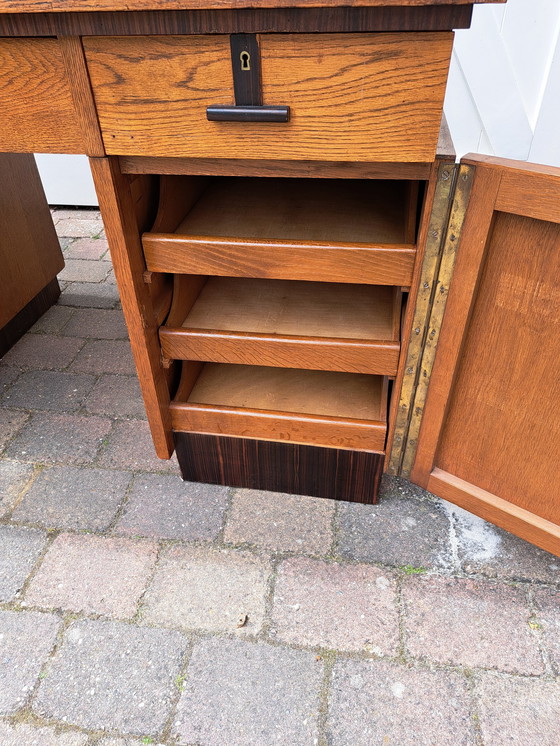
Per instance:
x=218, y=113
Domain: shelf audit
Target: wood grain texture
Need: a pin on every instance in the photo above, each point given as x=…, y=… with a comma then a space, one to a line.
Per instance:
x=489, y=423
x=527, y=188
x=322, y=326
x=500, y=412
x=476, y=228
x=380, y=265
x=121, y=226
x=311, y=234
x=80, y=89
x=388, y=90
x=288, y=468
x=30, y=255
x=273, y=169
x=301, y=406
x=311, y=309
x=518, y=521
x=283, y=351
x=36, y=106
x=329, y=211
x=67, y=6
x=242, y=20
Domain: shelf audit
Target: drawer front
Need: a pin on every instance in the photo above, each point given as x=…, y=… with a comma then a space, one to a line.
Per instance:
x=352, y=97
x=36, y=109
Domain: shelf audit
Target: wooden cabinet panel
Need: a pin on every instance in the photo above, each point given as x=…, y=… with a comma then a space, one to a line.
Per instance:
x=352, y=97
x=30, y=255
x=490, y=436
x=36, y=108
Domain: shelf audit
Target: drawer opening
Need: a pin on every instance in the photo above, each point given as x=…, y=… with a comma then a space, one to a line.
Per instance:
x=283, y=323
x=339, y=410
x=332, y=230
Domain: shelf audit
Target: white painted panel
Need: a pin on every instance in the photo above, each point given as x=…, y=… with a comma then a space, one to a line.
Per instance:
x=529, y=31
x=462, y=116
x=66, y=179
x=546, y=143
x=493, y=85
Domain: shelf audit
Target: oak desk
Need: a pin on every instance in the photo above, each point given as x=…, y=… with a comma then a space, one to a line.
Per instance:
x=284, y=234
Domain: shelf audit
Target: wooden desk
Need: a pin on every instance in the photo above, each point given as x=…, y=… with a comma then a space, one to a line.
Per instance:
x=284, y=234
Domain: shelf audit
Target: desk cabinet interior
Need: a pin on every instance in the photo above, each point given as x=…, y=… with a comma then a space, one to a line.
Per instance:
x=284, y=284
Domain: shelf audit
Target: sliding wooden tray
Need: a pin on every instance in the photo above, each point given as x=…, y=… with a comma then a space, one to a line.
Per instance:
x=356, y=231
x=286, y=324
x=337, y=410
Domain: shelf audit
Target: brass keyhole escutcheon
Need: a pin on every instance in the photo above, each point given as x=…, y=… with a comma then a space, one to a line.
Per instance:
x=245, y=58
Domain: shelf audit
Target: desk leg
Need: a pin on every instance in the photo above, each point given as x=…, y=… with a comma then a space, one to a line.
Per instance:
x=123, y=235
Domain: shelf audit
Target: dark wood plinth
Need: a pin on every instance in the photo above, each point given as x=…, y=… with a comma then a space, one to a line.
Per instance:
x=29, y=314
x=280, y=467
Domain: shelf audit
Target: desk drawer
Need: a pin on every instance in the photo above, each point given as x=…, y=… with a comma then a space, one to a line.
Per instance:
x=352, y=97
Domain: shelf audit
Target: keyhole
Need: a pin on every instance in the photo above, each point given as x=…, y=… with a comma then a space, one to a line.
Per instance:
x=245, y=60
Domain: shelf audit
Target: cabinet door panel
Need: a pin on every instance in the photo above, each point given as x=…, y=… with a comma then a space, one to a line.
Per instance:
x=490, y=435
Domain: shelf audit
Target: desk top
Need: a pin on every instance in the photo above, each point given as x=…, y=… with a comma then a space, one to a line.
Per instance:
x=77, y=6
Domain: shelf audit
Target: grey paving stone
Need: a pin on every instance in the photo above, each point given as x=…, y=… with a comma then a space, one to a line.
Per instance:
x=348, y=607
x=13, y=478
x=53, y=321
x=60, y=438
x=26, y=637
x=73, y=213
x=105, y=356
x=7, y=377
x=203, y=588
x=69, y=497
x=125, y=742
x=281, y=522
x=470, y=623
x=376, y=702
x=49, y=390
x=43, y=351
x=238, y=693
x=97, y=323
x=19, y=551
x=165, y=507
x=78, y=227
x=548, y=614
x=111, y=277
x=83, y=270
x=113, y=676
x=116, y=395
x=10, y=423
x=130, y=447
x=24, y=734
x=89, y=295
x=92, y=575
x=402, y=530
x=519, y=712
x=488, y=550
x=86, y=248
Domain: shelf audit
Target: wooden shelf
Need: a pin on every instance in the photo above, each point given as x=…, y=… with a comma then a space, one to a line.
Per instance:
x=323, y=326
x=340, y=410
x=335, y=230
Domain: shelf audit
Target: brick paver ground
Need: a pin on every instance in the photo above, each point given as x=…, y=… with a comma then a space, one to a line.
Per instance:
x=138, y=609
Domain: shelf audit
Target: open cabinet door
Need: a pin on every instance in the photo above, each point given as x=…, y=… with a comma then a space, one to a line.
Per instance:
x=489, y=439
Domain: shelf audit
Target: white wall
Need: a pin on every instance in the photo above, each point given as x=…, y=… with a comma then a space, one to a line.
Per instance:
x=503, y=96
